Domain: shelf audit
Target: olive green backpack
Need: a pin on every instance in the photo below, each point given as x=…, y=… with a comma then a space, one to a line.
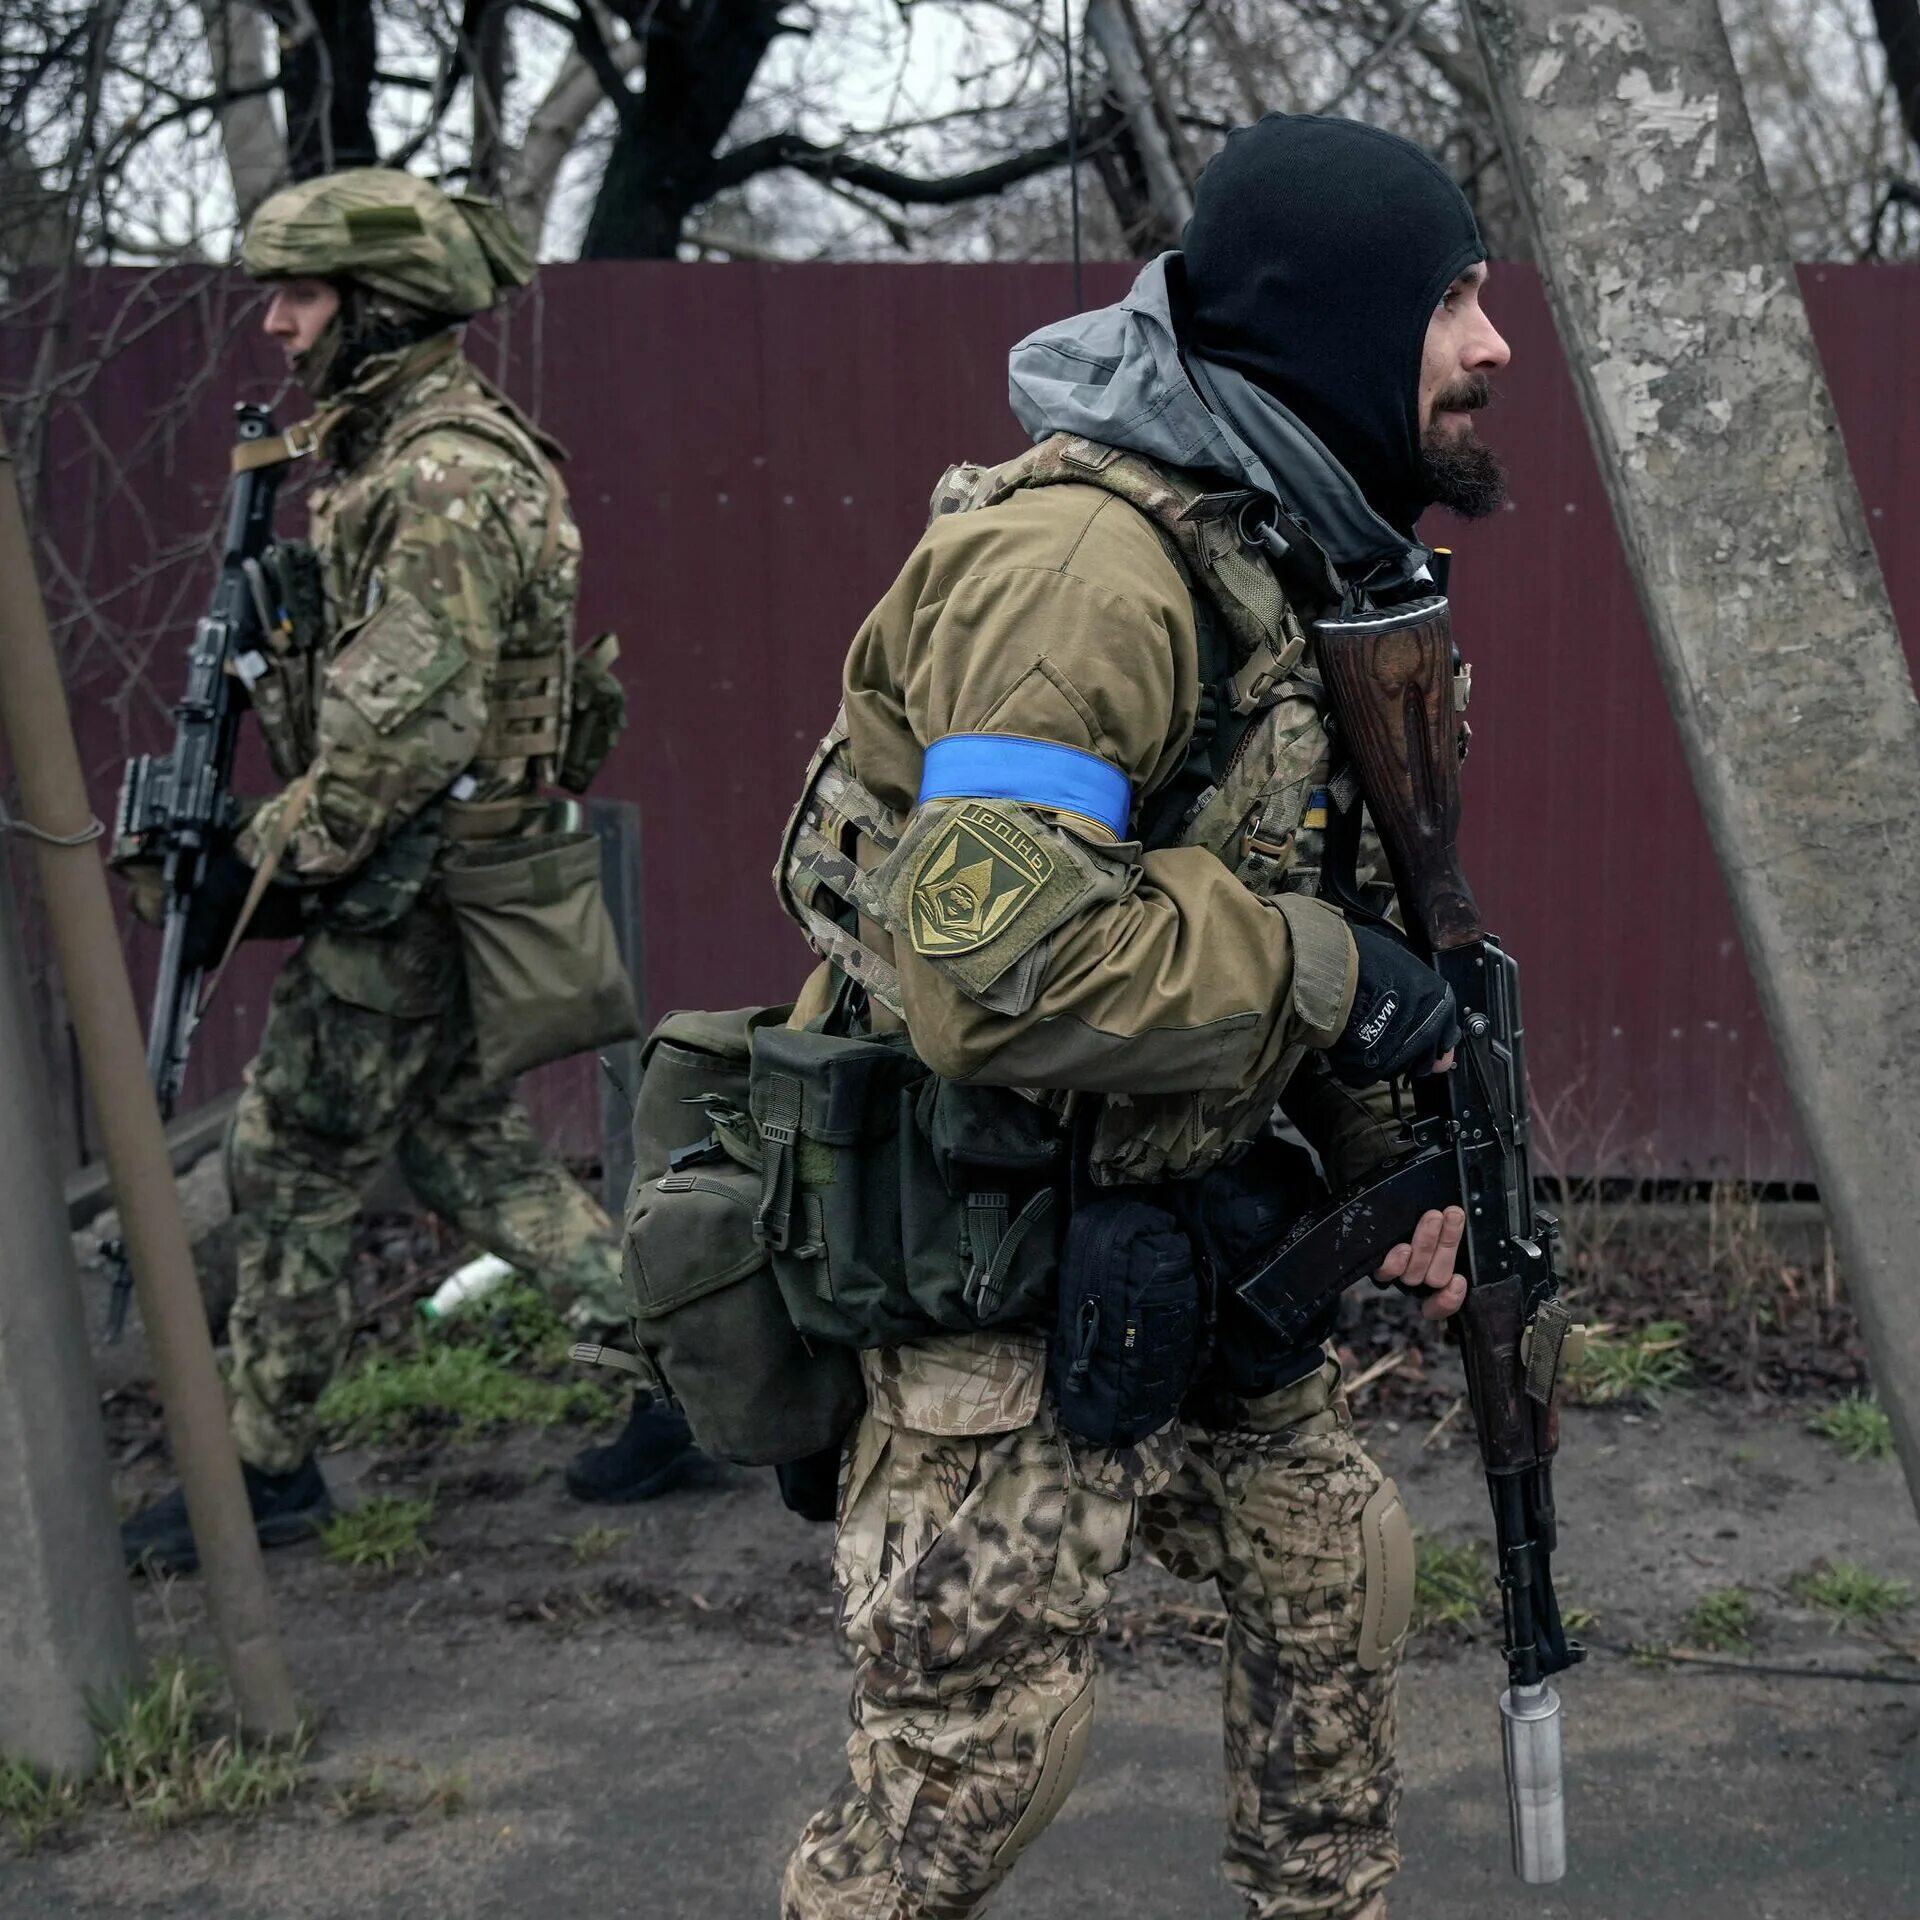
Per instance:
x=708, y=1313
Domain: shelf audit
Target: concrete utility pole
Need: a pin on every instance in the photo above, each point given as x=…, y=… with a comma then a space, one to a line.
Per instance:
x=57, y=817
x=1664, y=254
x=66, y=1622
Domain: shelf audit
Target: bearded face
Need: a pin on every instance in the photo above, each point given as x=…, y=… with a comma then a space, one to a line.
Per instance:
x=1463, y=474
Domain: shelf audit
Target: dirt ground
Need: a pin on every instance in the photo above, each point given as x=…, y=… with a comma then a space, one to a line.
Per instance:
x=643, y=1727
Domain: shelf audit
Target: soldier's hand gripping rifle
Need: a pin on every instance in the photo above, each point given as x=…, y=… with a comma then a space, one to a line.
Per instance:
x=1389, y=679
x=178, y=809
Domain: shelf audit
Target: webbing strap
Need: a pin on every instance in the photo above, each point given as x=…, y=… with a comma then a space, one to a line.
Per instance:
x=856, y=960
x=985, y=1285
x=779, y=1101
x=590, y=1353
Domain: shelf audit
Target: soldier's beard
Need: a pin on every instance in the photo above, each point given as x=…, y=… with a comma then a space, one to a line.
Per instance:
x=1462, y=473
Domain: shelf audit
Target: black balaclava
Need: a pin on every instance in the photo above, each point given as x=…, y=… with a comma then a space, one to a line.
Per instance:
x=1317, y=252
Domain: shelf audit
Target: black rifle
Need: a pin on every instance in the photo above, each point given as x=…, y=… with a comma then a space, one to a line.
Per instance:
x=179, y=807
x=1389, y=679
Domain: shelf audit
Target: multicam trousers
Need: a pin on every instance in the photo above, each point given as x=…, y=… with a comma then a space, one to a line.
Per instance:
x=973, y=1560
x=335, y=1090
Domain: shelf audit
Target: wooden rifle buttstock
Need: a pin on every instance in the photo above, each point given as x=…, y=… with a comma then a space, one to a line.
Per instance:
x=1389, y=678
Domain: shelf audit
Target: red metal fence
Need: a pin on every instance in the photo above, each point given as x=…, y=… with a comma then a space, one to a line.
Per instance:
x=753, y=447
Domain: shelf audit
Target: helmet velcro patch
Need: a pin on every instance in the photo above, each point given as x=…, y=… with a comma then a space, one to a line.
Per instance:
x=369, y=224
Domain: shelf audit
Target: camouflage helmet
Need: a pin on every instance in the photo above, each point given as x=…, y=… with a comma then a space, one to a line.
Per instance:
x=392, y=233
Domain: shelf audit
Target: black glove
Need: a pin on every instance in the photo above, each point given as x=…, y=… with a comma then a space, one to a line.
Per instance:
x=217, y=901
x=1403, y=1019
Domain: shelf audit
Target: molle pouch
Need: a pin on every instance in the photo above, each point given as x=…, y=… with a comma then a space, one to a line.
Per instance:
x=895, y=1205
x=833, y=1113
x=1234, y=1214
x=288, y=585
x=1001, y=1159
x=1129, y=1334
x=596, y=714
x=708, y=1316
x=544, y=972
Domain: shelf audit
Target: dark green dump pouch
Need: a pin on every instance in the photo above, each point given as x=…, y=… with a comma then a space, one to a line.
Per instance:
x=707, y=1313
x=895, y=1204
x=544, y=972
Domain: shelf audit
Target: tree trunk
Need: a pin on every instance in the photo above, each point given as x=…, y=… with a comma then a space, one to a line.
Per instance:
x=564, y=109
x=698, y=73
x=327, y=80
x=249, y=135
x=1628, y=143
x=1898, y=24
x=491, y=73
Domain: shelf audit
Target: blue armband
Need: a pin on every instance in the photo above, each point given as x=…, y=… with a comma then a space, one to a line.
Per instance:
x=1036, y=773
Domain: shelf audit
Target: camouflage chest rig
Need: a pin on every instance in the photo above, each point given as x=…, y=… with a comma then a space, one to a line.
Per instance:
x=1252, y=787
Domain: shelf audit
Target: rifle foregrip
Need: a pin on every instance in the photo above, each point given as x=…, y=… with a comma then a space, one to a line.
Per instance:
x=1389, y=677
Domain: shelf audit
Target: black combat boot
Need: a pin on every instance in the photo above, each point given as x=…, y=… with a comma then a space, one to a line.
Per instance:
x=286, y=1507
x=649, y=1457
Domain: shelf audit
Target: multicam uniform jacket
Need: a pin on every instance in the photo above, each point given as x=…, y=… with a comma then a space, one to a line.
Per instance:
x=451, y=570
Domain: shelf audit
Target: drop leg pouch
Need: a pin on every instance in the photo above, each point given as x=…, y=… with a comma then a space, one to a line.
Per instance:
x=544, y=973
x=708, y=1314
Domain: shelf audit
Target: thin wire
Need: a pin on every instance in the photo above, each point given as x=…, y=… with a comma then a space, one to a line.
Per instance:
x=1073, y=147
x=11, y=823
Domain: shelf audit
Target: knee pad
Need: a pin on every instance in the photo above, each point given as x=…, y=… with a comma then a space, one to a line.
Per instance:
x=1060, y=1764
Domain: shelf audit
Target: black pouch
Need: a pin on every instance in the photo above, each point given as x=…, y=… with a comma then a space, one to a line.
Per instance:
x=1234, y=1214
x=1131, y=1327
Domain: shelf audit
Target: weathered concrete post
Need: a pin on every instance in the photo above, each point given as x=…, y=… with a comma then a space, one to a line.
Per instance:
x=1630, y=148
x=66, y=1622
x=39, y=734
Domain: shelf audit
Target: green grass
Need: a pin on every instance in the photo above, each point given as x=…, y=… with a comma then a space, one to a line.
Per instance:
x=595, y=1543
x=1857, y=1425
x=1852, y=1594
x=400, y=1787
x=33, y=1805
x=1722, y=1622
x=169, y=1753
x=1639, y=1365
x=378, y=1533
x=484, y=1372
x=173, y=1754
x=1452, y=1583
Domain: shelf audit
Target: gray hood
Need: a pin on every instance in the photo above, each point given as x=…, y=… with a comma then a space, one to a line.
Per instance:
x=1115, y=375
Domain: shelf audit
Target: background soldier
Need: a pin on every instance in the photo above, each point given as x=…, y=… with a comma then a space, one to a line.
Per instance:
x=1062, y=884
x=425, y=701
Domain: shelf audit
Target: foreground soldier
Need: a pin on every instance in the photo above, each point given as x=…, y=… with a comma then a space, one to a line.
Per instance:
x=428, y=706
x=1070, y=827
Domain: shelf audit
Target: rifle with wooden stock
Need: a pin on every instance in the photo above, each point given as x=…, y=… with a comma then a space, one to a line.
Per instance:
x=1390, y=677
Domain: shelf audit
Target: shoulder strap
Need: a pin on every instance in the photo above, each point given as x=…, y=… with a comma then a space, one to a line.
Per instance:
x=500, y=424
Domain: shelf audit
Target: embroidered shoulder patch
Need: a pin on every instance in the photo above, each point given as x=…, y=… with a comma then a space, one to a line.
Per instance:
x=978, y=871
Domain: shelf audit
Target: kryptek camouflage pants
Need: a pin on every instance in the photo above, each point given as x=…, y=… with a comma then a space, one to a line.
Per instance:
x=973, y=1561
x=334, y=1091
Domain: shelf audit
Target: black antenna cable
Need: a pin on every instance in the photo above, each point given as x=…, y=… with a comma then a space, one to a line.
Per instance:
x=1073, y=147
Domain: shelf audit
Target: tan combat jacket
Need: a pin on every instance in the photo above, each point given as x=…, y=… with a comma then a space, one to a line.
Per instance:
x=1029, y=947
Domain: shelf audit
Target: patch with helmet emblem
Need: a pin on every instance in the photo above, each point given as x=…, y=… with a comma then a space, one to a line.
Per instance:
x=977, y=873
